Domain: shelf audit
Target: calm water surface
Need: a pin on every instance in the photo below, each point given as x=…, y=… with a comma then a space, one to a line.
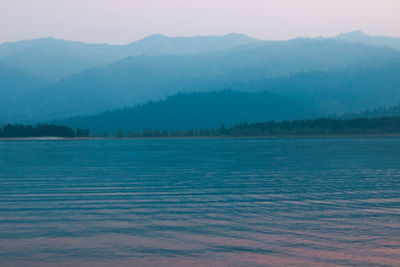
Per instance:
x=228, y=202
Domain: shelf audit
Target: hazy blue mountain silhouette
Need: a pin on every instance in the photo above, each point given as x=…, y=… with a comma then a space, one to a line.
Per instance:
x=352, y=89
x=14, y=83
x=14, y=86
x=379, y=41
x=194, y=111
x=159, y=44
x=52, y=59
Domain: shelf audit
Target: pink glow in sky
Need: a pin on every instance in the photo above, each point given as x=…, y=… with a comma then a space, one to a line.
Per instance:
x=123, y=21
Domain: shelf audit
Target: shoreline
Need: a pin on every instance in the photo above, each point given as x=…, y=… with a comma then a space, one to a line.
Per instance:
x=345, y=136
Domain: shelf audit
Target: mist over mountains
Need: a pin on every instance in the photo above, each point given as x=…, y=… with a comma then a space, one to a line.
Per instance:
x=52, y=59
x=48, y=79
x=378, y=41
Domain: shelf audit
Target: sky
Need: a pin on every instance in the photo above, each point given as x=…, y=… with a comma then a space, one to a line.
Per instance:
x=124, y=21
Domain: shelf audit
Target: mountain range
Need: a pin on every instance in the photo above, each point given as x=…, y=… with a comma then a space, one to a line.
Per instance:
x=48, y=79
x=52, y=59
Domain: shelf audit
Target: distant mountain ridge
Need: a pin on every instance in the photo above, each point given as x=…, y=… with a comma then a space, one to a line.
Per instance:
x=378, y=41
x=14, y=86
x=52, y=59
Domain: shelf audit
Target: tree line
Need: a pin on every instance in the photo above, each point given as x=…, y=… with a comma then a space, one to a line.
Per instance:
x=41, y=130
x=328, y=126
x=359, y=126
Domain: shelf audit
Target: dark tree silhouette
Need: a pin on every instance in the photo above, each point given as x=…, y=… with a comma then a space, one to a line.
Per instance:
x=359, y=126
x=41, y=130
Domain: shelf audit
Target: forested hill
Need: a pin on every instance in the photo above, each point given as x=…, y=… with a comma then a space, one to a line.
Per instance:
x=308, y=94
x=194, y=111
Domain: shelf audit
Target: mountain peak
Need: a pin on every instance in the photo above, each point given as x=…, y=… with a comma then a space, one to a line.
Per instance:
x=352, y=34
x=157, y=36
x=234, y=34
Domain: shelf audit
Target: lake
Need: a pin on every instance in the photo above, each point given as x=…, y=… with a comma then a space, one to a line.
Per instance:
x=200, y=202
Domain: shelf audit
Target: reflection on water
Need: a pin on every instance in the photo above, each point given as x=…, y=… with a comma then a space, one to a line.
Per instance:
x=266, y=202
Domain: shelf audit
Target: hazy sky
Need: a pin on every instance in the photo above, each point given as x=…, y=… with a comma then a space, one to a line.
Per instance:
x=123, y=21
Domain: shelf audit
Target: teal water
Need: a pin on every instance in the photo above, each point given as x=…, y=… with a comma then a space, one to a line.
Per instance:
x=215, y=202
